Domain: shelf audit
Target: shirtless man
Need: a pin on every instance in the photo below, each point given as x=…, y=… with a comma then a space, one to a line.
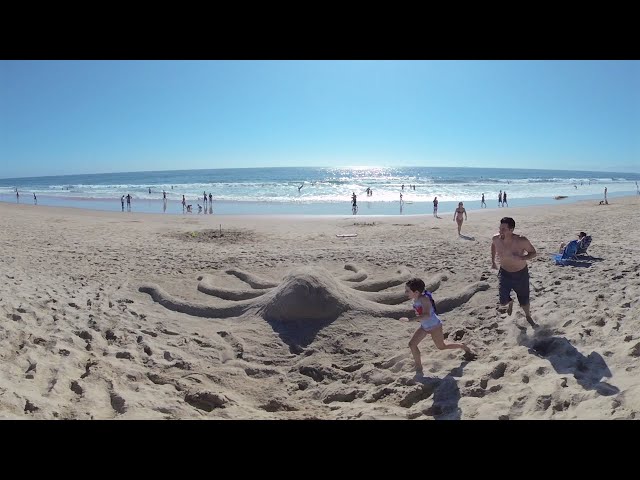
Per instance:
x=513, y=251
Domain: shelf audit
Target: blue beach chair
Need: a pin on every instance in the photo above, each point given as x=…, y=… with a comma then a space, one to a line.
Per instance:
x=583, y=245
x=569, y=253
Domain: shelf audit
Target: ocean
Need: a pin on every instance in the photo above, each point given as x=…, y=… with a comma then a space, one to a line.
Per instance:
x=317, y=191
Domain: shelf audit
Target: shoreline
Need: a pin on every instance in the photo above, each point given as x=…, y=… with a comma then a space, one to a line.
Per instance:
x=241, y=217
x=250, y=208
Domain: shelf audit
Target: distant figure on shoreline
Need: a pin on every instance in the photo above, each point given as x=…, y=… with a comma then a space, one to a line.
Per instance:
x=482, y=202
x=513, y=251
x=500, y=199
x=149, y=190
x=637, y=188
x=435, y=207
x=403, y=186
x=35, y=199
x=504, y=199
x=605, y=196
x=457, y=215
x=17, y=196
x=354, y=203
x=401, y=201
x=184, y=203
x=210, y=199
x=128, y=197
x=200, y=207
x=164, y=195
x=204, y=195
x=300, y=187
x=122, y=202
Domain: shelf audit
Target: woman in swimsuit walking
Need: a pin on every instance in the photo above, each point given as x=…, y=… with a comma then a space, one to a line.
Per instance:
x=457, y=216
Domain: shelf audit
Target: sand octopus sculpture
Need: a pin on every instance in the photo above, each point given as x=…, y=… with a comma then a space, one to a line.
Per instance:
x=310, y=294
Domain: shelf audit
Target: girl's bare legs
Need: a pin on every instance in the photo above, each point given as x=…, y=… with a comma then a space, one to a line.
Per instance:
x=413, y=345
x=459, y=226
x=438, y=339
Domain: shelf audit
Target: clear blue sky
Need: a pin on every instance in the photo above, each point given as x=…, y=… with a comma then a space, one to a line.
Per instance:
x=66, y=117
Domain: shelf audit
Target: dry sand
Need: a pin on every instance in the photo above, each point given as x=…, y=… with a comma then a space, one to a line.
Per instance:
x=142, y=316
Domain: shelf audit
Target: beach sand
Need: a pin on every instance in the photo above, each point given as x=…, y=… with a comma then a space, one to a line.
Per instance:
x=142, y=316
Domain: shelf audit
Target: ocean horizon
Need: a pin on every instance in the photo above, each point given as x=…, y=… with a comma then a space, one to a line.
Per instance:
x=317, y=190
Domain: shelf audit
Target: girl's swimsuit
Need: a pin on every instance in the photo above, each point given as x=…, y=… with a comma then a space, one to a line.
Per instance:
x=433, y=321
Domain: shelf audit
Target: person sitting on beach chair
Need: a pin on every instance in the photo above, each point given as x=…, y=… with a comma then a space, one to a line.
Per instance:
x=584, y=241
x=567, y=252
x=583, y=244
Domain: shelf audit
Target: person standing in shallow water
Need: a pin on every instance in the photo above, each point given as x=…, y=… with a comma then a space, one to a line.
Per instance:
x=435, y=207
x=513, y=251
x=482, y=202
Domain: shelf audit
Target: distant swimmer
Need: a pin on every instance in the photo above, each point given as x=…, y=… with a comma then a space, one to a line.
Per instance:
x=35, y=199
x=210, y=198
x=149, y=189
x=504, y=199
x=128, y=197
x=300, y=187
x=164, y=195
x=435, y=207
x=199, y=208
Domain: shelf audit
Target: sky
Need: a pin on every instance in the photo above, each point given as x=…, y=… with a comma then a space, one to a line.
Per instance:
x=74, y=117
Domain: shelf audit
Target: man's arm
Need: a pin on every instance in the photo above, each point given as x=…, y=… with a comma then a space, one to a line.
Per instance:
x=531, y=251
x=493, y=255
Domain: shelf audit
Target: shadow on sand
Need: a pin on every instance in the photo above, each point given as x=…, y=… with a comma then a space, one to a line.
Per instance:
x=565, y=358
x=446, y=394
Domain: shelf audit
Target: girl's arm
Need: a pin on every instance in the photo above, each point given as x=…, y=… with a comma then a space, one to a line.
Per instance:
x=426, y=308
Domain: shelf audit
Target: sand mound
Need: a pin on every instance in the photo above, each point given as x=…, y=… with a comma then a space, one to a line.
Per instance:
x=305, y=294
